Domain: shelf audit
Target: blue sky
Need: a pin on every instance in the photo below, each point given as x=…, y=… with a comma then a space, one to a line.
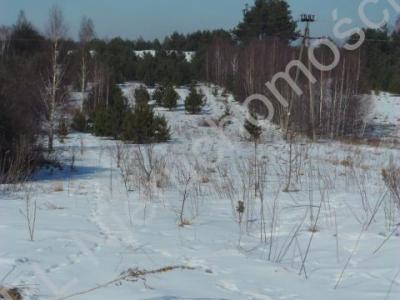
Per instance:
x=157, y=18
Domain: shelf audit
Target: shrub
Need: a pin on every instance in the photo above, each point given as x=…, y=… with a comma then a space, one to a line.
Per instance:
x=79, y=122
x=170, y=99
x=108, y=121
x=142, y=126
x=142, y=96
x=253, y=130
x=391, y=177
x=161, y=129
x=158, y=95
x=21, y=119
x=194, y=102
x=62, y=130
x=102, y=122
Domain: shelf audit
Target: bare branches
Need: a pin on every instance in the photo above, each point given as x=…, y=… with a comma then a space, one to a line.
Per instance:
x=30, y=212
x=56, y=28
x=130, y=275
x=391, y=177
x=184, y=184
x=87, y=31
x=86, y=34
x=51, y=90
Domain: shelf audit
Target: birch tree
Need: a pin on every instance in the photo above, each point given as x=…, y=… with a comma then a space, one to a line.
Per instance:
x=5, y=34
x=52, y=94
x=86, y=34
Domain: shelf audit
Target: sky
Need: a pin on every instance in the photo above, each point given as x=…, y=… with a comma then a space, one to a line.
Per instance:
x=157, y=18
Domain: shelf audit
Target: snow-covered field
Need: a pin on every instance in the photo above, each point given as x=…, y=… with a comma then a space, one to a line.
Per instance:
x=90, y=228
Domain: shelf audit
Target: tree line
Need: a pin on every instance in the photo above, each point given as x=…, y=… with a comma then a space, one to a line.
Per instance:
x=38, y=71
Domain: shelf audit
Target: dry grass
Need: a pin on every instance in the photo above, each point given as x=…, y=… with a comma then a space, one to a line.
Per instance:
x=372, y=142
x=10, y=293
x=362, y=142
x=204, y=179
x=131, y=275
x=184, y=223
x=58, y=187
x=344, y=162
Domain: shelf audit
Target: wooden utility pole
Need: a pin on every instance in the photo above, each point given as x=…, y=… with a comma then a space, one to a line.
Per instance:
x=307, y=19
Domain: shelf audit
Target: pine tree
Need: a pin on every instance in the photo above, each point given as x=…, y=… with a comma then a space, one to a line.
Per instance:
x=265, y=19
x=25, y=39
x=142, y=96
x=102, y=122
x=171, y=97
x=158, y=95
x=79, y=121
x=62, y=129
x=118, y=110
x=142, y=126
x=108, y=121
x=161, y=130
x=194, y=102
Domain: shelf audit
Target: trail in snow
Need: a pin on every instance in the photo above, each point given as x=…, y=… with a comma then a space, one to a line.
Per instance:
x=91, y=230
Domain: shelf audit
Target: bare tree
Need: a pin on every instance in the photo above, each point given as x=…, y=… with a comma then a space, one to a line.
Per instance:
x=183, y=180
x=391, y=177
x=5, y=34
x=52, y=90
x=86, y=34
x=30, y=212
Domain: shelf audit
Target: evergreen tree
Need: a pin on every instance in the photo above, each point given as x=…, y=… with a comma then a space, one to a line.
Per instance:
x=79, y=122
x=171, y=97
x=265, y=19
x=158, y=95
x=161, y=129
x=62, y=130
x=142, y=126
x=118, y=110
x=108, y=120
x=102, y=122
x=142, y=96
x=25, y=39
x=194, y=102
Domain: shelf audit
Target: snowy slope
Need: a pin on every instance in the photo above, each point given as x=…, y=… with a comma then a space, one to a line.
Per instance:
x=386, y=109
x=384, y=115
x=90, y=229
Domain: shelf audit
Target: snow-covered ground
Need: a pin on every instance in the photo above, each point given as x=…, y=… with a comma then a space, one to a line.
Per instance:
x=384, y=116
x=189, y=55
x=90, y=229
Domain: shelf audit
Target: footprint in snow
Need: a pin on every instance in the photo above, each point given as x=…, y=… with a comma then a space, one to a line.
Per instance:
x=228, y=285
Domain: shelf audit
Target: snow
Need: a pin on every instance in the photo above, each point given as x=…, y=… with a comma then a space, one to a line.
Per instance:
x=189, y=55
x=384, y=115
x=90, y=229
x=386, y=109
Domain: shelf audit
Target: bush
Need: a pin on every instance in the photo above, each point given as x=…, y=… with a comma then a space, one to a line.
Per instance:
x=158, y=95
x=102, y=122
x=170, y=99
x=142, y=95
x=161, y=129
x=142, y=126
x=21, y=119
x=194, y=102
x=391, y=177
x=62, y=130
x=79, y=122
x=108, y=121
